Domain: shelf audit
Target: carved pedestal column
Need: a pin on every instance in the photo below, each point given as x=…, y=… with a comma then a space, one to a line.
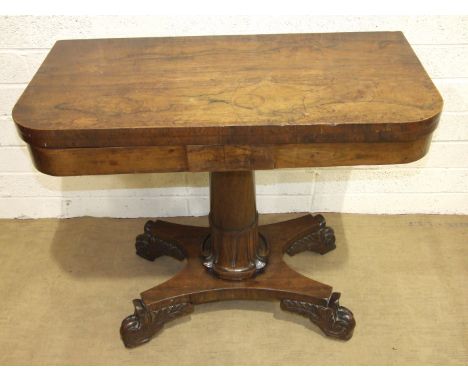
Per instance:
x=234, y=250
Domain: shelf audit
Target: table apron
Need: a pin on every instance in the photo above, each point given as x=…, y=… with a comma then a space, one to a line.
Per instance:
x=198, y=158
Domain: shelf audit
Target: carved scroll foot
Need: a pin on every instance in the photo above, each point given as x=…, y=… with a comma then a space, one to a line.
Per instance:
x=142, y=325
x=334, y=320
x=150, y=246
x=320, y=239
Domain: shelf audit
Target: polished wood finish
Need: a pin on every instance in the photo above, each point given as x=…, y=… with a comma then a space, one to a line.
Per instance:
x=194, y=285
x=223, y=90
x=234, y=250
x=230, y=105
x=121, y=160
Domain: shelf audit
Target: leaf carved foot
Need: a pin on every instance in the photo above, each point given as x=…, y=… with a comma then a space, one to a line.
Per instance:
x=150, y=246
x=142, y=325
x=321, y=240
x=334, y=320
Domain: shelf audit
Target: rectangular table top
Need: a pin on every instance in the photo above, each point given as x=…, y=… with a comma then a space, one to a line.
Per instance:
x=242, y=90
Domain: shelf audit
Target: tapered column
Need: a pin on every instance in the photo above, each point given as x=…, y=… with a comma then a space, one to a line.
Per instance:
x=234, y=250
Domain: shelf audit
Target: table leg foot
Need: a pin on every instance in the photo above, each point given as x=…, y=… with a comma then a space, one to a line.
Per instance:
x=317, y=238
x=151, y=244
x=334, y=320
x=143, y=324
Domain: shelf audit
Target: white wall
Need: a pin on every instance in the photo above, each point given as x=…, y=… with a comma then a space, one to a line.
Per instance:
x=436, y=184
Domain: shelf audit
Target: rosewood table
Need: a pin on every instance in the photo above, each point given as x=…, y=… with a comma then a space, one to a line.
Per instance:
x=229, y=105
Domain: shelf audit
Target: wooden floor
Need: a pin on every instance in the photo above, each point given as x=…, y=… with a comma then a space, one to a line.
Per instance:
x=65, y=286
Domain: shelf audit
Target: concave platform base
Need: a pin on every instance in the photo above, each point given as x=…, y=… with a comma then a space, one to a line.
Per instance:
x=198, y=284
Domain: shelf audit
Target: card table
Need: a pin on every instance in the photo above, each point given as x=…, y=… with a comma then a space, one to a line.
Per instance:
x=229, y=105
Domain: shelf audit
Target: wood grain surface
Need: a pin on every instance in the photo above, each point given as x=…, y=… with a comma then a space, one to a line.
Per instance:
x=152, y=159
x=258, y=89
